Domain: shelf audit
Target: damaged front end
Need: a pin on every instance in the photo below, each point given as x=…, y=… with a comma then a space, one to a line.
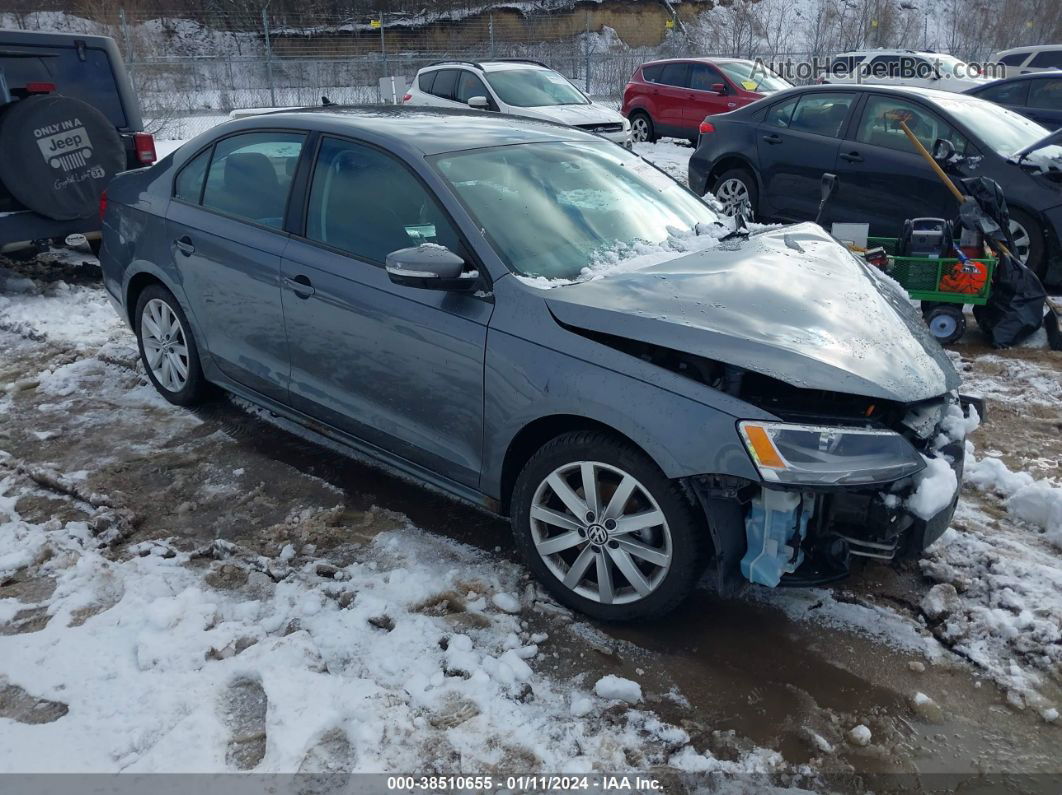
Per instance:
x=881, y=486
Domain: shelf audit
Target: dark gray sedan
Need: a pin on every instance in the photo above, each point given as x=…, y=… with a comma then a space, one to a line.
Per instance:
x=537, y=321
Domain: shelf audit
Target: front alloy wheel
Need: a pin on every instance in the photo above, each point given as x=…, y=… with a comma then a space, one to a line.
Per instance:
x=600, y=532
x=604, y=530
x=733, y=194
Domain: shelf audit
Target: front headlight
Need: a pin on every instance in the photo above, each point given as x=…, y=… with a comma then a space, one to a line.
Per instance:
x=818, y=455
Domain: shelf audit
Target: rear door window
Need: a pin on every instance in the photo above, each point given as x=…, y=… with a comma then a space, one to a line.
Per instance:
x=779, y=115
x=821, y=114
x=1014, y=59
x=445, y=82
x=1046, y=94
x=90, y=80
x=1006, y=93
x=250, y=176
x=676, y=74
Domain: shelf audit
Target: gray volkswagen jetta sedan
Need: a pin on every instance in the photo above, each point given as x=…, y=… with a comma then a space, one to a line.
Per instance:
x=425, y=287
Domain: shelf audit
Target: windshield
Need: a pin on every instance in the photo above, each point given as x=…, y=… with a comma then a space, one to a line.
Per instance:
x=754, y=78
x=550, y=209
x=533, y=88
x=949, y=64
x=1004, y=131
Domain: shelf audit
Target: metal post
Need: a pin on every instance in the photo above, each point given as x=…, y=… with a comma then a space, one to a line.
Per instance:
x=586, y=48
x=490, y=28
x=383, y=44
x=269, y=57
x=127, y=41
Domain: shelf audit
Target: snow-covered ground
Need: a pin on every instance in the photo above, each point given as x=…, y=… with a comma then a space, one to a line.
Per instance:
x=144, y=629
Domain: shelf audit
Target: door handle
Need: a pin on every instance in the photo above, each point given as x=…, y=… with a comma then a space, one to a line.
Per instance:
x=773, y=139
x=300, y=285
x=185, y=245
x=852, y=157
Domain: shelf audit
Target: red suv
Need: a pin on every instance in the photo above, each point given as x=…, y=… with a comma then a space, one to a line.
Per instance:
x=673, y=96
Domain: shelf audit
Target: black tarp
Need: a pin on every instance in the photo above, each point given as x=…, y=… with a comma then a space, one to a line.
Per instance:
x=1015, y=307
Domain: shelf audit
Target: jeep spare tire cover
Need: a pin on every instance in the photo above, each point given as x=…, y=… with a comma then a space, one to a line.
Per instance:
x=57, y=154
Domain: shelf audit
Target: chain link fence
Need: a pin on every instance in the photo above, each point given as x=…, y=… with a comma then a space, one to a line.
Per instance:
x=190, y=72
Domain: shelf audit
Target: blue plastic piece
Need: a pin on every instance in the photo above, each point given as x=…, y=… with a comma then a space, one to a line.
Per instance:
x=776, y=524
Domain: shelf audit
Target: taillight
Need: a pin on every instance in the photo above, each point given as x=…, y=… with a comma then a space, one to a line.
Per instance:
x=144, y=144
x=706, y=127
x=407, y=97
x=40, y=88
x=103, y=205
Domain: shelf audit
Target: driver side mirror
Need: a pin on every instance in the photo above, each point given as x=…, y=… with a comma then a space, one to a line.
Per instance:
x=719, y=88
x=479, y=103
x=430, y=267
x=943, y=150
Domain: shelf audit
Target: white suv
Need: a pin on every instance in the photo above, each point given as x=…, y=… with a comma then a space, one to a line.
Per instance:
x=516, y=87
x=1023, y=60
x=903, y=68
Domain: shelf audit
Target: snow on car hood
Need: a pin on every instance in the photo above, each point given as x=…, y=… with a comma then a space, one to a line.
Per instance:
x=790, y=303
x=574, y=114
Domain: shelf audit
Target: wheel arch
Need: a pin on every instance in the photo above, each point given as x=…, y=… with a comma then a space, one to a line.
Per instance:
x=727, y=162
x=527, y=441
x=137, y=284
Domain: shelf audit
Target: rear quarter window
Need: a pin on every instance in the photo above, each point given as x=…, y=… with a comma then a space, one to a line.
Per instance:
x=651, y=74
x=1014, y=59
x=426, y=81
x=188, y=186
x=91, y=80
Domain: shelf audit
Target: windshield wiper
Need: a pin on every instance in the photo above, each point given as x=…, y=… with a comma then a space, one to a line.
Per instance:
x=1051, y=138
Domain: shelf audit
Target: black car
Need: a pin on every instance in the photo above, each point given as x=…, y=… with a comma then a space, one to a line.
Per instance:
x=1037, y=96
x=772, y=154
x=69, y=121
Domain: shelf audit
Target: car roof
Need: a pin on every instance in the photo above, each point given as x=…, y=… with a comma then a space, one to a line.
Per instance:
x=416, y=129
x=930, y=94
x=1028, y=48
x=500, y=65
x=886, y=52
x=53, y=39
x=696, y=59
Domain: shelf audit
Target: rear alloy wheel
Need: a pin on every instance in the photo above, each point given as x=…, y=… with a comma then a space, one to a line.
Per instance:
x=736, y=189
x=642, y=130
x=167, y=348
x=604, y=530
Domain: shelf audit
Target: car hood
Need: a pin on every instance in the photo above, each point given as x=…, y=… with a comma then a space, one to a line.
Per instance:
x=790, y=303
x=574, y=114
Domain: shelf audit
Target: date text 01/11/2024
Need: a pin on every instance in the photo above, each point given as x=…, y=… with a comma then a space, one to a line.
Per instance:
x=473, y=783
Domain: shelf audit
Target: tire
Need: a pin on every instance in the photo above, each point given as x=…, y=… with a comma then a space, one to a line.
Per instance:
x=734, y=186
x=58, y=155
x=1028, y=241
x=668, y=556
x=156, y=311
x=946, y=322
x=642, y=128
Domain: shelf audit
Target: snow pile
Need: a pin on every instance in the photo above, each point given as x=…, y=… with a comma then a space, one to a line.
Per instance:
x=936, y=488
x=614, y=687
x=413, y=657
x=65, y=313
x=1038, y=502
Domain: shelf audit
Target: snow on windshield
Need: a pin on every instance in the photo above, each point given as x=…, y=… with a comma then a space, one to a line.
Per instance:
x=627, y=257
